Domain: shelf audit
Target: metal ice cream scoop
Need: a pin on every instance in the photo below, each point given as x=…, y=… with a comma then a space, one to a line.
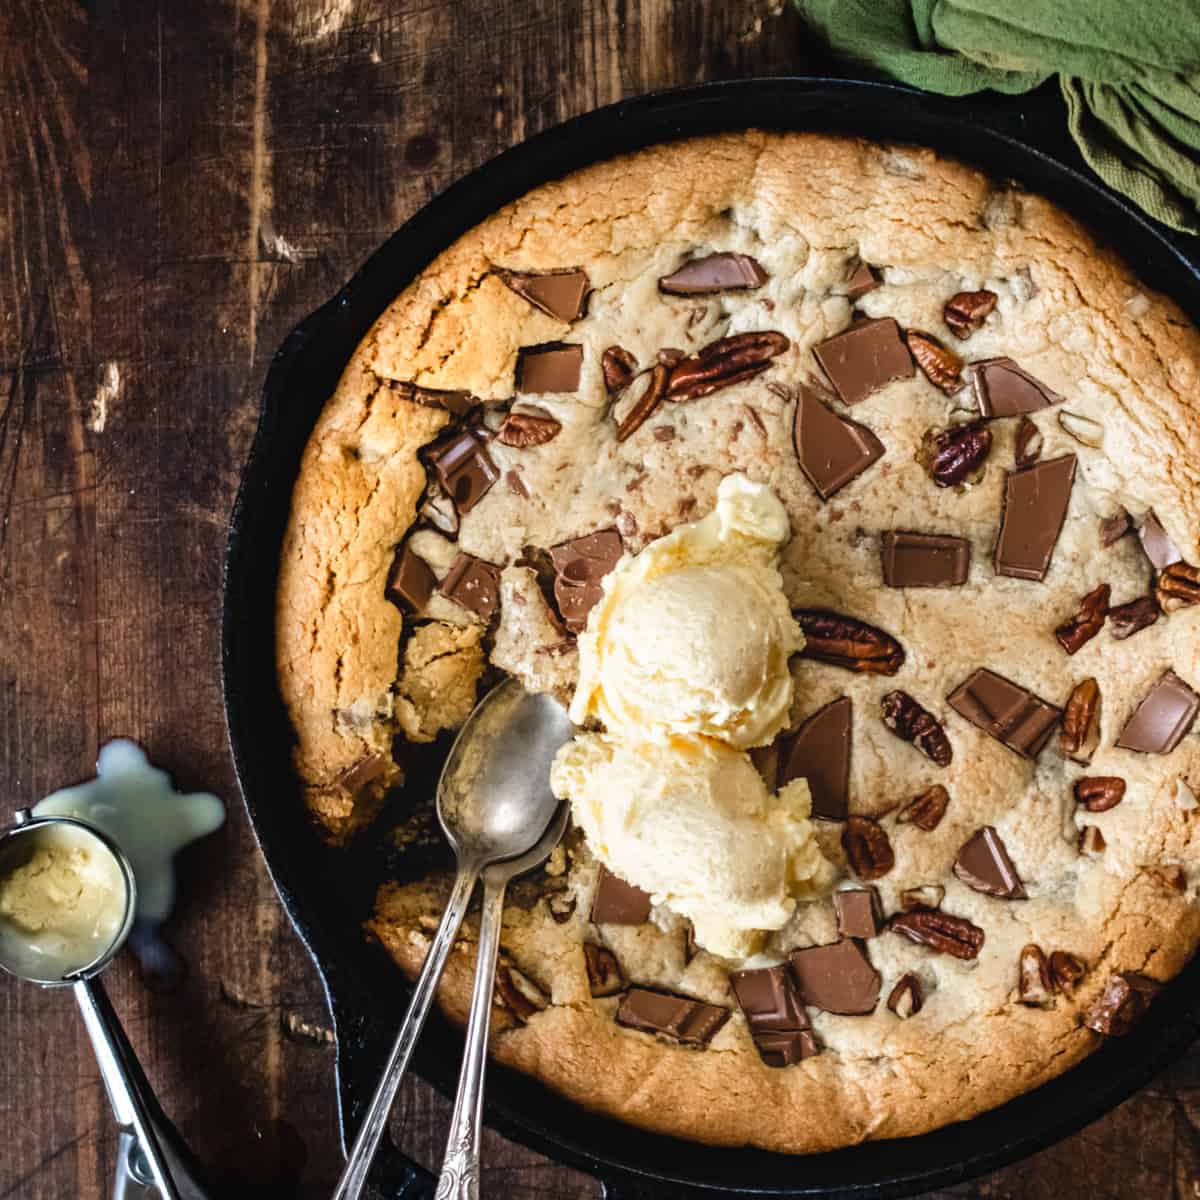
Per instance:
x=43, y=946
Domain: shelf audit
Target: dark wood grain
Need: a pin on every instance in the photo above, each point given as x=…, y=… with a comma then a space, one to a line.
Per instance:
x=180, y=183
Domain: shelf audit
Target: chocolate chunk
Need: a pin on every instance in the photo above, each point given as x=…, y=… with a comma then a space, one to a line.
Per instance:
x=831, y=450
x=1035, y=507
x=410, y=582
x=778, y=1023
x=463, y=467
x=559, y=294
x=859, y=912
x=553, y=367
x=924, y=559
x=474, y=584
x=865, y=357
x=603, y=970
x=1124, y=620
x=689, y=1021
x=619, y=903
x=1122, y=1004
x=714, y=273
x=983, y=865
x=1157, y=543
x=1160, y=721
x=837, y=978
x=579, y=569
x=1003, y=389
x=819, y=751
x=862, y=280
x=1112, y=529
x=1011, y=714
x=456, y=403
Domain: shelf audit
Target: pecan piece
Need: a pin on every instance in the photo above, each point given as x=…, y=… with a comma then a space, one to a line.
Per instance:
x=1028, y=448
x=603, y=970
x=906, y=997
x=965, y=312
x=528, y=427
x=868, y=848
x=1033, y=976
x=645, y=405
x=1079, y=734
x=1065, y=971
x=1075, y=633
x=927, y=895
x=953, y=454
x=1123, y=1002
x=926, y=810
x=940, y=931
x=848, y=642
x=1099, y=793
x=1128, y=619
x=942, y=367
x=619, y=368
x=1178, y=587
x=1091, y=841
x=909, y=721
x=518, y=993
x=726, y=361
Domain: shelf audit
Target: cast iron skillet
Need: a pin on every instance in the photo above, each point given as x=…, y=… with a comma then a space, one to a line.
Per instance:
x=327, y=893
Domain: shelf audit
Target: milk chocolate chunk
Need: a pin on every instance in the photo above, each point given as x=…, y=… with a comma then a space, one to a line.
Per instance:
x=680, y=1017
x=819, y=751
x=474, y=584
x=579, y=569
x=866, y=356
x=616, y=902
x=1161, y=720
x=924, y=559
x=862, y=280
x=831, y=450
x=1112, y=529
x=1124, y=620
x=410, y=582
x=1003, y=389
x=1035, y=507
x=1157, y=543
x=859, y=912
x=559, y=294
x=983, y=864
x=554, y=367
x=603, y=970
x=1011, y=714
x=463, y=467
x=778, y=1023
x=837, y=978
x=1122, y=1004
x=714, y=273
x=456, y=402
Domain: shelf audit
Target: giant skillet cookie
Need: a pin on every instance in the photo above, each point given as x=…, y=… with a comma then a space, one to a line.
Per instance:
x=986, y=435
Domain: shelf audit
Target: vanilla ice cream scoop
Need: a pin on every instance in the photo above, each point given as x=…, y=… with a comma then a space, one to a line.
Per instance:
x=693, y=635
x=692, y=822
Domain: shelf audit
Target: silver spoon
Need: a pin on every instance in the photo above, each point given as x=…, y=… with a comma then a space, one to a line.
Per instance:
x=460, y=1168
x=494, y=802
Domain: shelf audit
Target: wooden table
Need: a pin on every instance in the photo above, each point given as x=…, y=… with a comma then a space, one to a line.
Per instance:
x=181, y=183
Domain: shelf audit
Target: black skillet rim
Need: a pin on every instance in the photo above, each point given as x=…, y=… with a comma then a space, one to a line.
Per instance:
x=305, y=365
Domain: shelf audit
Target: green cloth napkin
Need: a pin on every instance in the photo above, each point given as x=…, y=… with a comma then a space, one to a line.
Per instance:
x=1129, y=70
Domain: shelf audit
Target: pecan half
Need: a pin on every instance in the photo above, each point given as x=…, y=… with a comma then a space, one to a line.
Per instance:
x=965, y=312
x=940, y=931
x=1091, y=841
x=1127, y=619
x=603, y=970
x=1028, y=448
x=645, y=405
x=848, y=642
x=518, y=993
x=1065, y=971
x=926, y=810
x=1033, y=976
x=528, y=427
x=1178, y=587
x=868, y=848
x=942, y=367
x=906, y=997
x=928, y=895
x=953, y=454
x=1099, y=793
x=1122, y=1003
x=909, y=721
x=619, y=368
x=726, y=361
x=1076, y=632
x=1079, y=734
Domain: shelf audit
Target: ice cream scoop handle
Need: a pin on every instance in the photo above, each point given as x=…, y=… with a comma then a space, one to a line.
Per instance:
x=460, y=1169
x=354, y=1177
